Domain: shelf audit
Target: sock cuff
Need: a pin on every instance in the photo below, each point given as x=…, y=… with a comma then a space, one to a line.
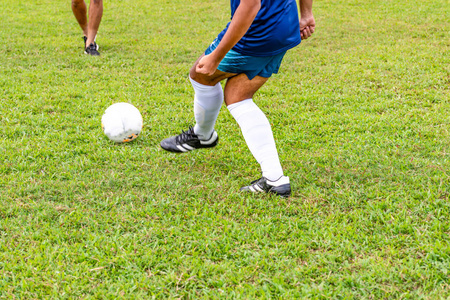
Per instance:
x=202, y=87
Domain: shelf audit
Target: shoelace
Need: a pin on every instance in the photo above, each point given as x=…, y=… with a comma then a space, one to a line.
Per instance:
x=186, y=136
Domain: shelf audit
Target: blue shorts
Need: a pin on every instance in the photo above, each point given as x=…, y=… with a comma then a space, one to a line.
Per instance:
x=252, y=66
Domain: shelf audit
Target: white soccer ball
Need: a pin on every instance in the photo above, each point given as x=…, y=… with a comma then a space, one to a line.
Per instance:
x=122, y=122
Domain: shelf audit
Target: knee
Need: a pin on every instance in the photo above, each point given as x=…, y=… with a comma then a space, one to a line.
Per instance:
x=200, y=78
x=192, y=73
x=97, y=2
x=210, y=80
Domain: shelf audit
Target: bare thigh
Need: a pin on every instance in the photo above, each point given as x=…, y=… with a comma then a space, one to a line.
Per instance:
x=239, y=88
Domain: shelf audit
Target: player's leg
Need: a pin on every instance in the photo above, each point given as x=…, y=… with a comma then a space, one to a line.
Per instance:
x=257, y=132
x=240, y=87
x=208, y=99
x=95, y=17
x=80, y=12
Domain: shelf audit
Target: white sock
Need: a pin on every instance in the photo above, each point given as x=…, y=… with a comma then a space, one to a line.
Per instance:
x=258, y=134
x=207, y=103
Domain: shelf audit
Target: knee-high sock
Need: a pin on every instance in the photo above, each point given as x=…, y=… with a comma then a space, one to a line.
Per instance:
x=258, y=134
x=207, y=103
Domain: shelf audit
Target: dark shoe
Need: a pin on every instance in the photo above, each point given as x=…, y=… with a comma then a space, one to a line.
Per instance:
x=187, y=141
x=91, y=50
x=280, y=187
x=84, y=45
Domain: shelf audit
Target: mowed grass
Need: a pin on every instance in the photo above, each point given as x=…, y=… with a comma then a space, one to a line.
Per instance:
x=360, y=113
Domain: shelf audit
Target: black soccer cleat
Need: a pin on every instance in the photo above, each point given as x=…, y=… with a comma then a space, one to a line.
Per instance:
x=280, y=187
x=84, y=45
x=187, y=141
x=91, y=50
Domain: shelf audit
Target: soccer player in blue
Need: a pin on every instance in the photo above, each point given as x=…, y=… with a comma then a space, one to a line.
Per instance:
x=245, y=54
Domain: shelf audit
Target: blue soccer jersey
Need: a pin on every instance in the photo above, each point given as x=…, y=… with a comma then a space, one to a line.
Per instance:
x=275, y=29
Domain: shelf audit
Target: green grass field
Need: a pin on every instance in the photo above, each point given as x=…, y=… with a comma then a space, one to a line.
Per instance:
x=360, y=113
